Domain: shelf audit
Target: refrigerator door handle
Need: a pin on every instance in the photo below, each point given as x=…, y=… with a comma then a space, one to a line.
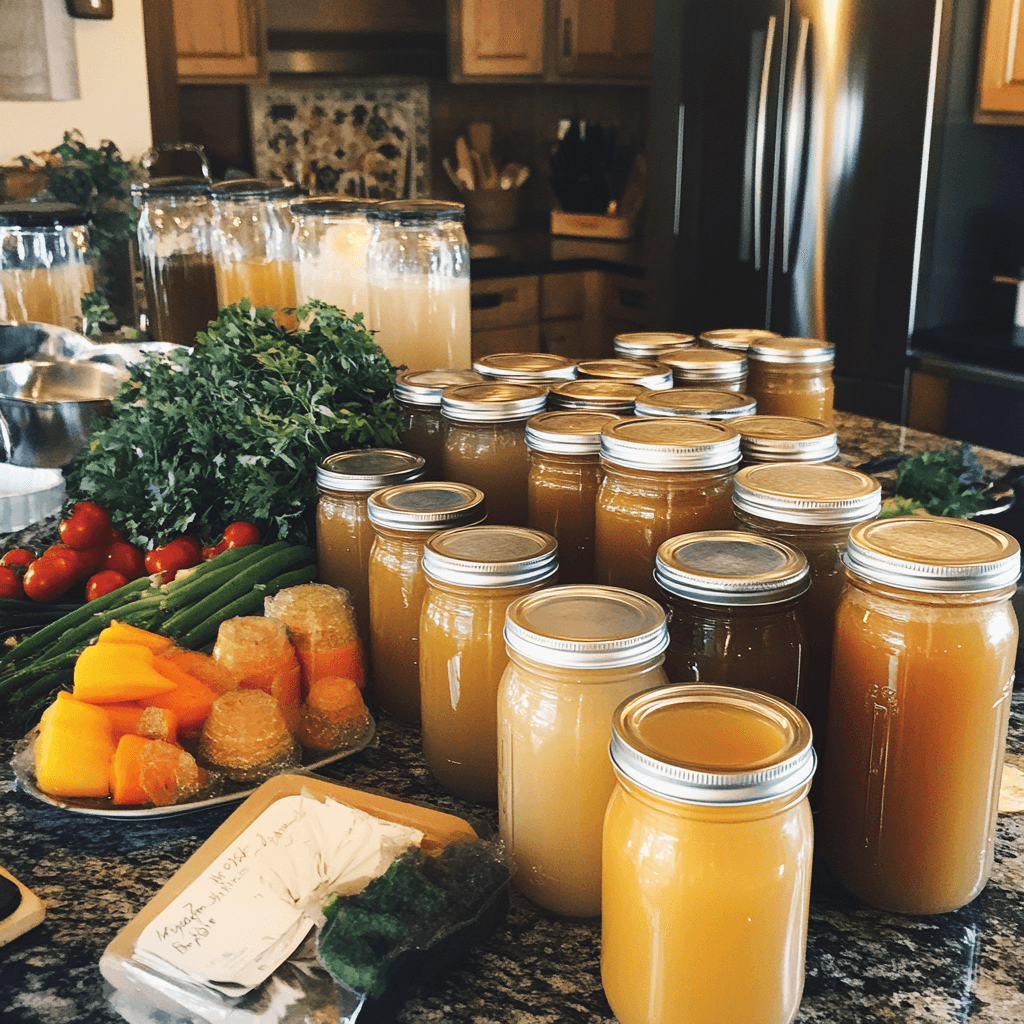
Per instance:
x=760, y=135
x=678, y=198
x=795, y=125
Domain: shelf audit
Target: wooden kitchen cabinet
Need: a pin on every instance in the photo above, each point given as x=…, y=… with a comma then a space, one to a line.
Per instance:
x=605, y=38
x=504, y=38
x=220, y=40
x=503, y=315
x=1001, y=67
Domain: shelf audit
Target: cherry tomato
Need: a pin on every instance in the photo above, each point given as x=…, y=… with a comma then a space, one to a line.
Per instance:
x=90, y=559
x=104, y=582
x=240, y=535
x=126, y=559
x=87, y=526
x=18, y=556
x=50, y=577
x=10, y=583
x=181, y=553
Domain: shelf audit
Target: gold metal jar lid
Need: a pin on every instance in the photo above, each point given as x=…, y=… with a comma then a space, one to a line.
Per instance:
x=604, y=395
x=728, y=567
x=786, y=439
x=648, y=373
x=568, y=431
x=526, y=367
x=697, y=403
x=649, y=344
x=816, y=494
x=426, y=506
x=933, y=554
x=424, y=387
x=368, y=469
x=792, y=350
x=586, y=627
x=706, y=364
x=737, y=339
x=492, y=402
x=684, y=743
x=665, y=444
x=490, y=557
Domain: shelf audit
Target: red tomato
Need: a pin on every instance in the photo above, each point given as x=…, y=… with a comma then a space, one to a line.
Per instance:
x=213, y=552
x=90, y=559
x=126, y=559
x=18, y=557
x=240, y=535
x=10, y=583
x=181, y=553
x=104, y=582
x=50, y=577
x=87, y=526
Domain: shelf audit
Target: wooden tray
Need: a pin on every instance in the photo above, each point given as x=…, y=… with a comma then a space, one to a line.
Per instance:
x=30, y=912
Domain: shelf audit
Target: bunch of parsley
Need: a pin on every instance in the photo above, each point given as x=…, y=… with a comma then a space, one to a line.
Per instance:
x=944, y=482
x=234, y=430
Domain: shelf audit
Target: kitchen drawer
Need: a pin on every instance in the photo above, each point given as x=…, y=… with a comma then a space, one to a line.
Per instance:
x=563, y=295
x=503, y=302
x=626, y=299
x=523, y=338
x=565, y=338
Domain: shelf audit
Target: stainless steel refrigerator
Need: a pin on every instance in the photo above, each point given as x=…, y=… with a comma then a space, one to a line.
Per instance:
x=791, y=149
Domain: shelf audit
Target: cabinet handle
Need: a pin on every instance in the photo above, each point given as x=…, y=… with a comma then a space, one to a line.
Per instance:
x=488, y=300
x=567, y=37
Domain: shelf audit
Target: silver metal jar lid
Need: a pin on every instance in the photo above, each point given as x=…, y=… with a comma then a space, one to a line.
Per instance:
x=586, y=627
x=665, y=444
x=424, y=387
x=255, y=190
x=414, y=212
x=697, y=403
x=493, y=402
x=706, y=364
x=645, y=746
x=605, y=395
x=426, y=506
x=490, y=557
x=368, y=469
x=933, y=554
x=792, y=350
x=526, y=367
x=736, y=339
x=648, y=373
x=728, y=567
x=786, y=439
x=818, y=494
x=568, y=431
x=650, y=344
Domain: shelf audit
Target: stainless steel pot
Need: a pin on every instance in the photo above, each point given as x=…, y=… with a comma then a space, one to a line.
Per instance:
x=46, y=409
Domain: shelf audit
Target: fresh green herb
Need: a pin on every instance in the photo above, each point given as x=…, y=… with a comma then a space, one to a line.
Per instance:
x=900, y=507
x=944, y=482
x=234, y=430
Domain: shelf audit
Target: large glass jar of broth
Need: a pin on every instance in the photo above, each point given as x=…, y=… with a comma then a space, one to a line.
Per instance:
x=252, y=245
x=418, y=262
x=331, y=238
x=43, y=268
x=177, y=264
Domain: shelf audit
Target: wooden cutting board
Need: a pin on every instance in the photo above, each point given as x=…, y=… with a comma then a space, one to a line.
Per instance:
x=29, y=912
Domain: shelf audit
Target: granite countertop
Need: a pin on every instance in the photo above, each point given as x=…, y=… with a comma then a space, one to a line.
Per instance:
x=863, y=966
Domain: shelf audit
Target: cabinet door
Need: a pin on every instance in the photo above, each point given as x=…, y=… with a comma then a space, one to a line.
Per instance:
x=219, y=40
x=605, y=38
x=1001, y=85
x=500, y=38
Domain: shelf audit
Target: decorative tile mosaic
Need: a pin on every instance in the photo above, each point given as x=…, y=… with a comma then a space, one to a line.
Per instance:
x=368, y=140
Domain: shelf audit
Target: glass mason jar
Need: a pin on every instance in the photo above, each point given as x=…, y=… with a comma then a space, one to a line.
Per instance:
x=786, y=439
x=707, y=858
x=43, y=268
x=330, y=239
x=595, y=396
x=696, y=403
x=792, y=377
x=418, y=393
x=663, y=476
x=648, y=373
x=473, y=575
x=561, y=488
x=344, y=535
x=526, y=367
x=252, y=245
x=575, y=654
x=735, y=339
x=736, y=611
x=649, y=344
x=484, y=432
x=925, y=642
x=708, y=368
x=812, y=508
x=418, y=262
x=403, y=517
x=174, y=234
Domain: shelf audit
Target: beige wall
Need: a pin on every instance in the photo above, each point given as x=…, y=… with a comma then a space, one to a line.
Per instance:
x=114, y=89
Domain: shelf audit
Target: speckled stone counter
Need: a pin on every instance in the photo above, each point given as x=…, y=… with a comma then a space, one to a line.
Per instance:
x=863, y=966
